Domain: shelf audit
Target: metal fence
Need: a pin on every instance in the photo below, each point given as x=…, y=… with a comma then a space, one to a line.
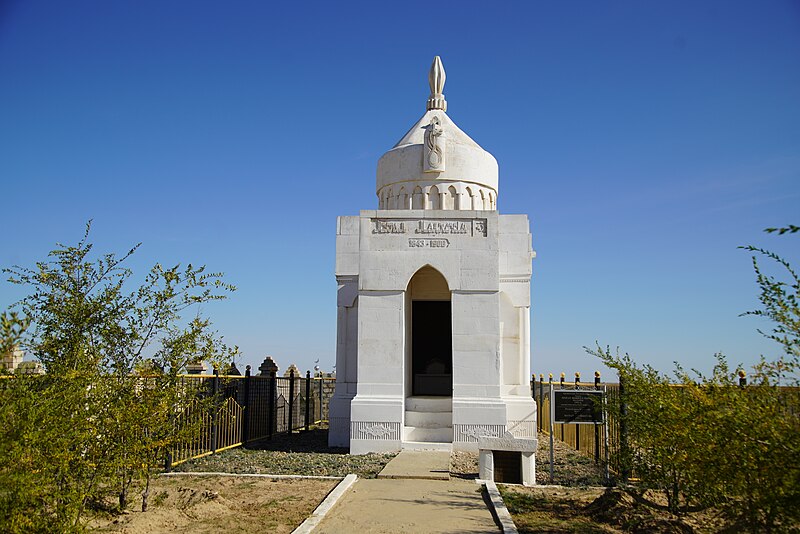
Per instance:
x=587, y=439
x=248, y=409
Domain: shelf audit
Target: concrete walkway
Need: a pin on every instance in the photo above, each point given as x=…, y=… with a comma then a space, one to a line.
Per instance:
x=430, y=465
x=412, y=494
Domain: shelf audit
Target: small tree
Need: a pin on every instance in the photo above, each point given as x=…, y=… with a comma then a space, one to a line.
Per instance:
x=704, y=440
x=91, y=424
x=661, y=420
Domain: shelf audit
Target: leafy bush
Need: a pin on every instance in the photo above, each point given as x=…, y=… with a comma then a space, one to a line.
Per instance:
x=706, y=441
x=92, y=425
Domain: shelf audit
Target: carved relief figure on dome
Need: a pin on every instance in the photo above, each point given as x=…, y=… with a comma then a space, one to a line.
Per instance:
x=433, y=154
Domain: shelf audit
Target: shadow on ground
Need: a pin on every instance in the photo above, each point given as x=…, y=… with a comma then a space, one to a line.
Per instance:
x=314, y=440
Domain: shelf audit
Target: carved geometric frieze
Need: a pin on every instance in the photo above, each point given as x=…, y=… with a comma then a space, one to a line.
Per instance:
x=522, y=429
x=472, y=433
x=374, y=430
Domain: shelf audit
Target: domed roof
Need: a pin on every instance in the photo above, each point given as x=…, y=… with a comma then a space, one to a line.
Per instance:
x=436, y=165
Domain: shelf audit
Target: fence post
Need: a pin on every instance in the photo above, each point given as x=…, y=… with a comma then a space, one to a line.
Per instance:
x=541, y=398
x=168, y=462
x=308, y=400
x=541, y=404
x=577, y=427
x=534, y=396
x=246, y=422
x=272, y=418
x=562, y=424
x=214, y=410
x=551, y=430
x=291, y=400
x=596, y=428
x=623, y=431
x=321, y=405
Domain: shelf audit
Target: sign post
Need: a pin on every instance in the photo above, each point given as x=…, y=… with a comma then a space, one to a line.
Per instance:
x=551, y=429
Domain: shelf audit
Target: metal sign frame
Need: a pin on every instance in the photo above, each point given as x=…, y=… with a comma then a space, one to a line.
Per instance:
x=602, y=421
x=577, y=411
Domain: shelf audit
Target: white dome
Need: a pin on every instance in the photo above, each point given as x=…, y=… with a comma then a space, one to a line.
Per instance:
x=436, y=165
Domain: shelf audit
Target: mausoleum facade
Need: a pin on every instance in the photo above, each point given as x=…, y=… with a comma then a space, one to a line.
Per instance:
x=433, y=324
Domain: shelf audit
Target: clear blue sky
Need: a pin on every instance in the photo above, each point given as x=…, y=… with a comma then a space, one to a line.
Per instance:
x=645, y=141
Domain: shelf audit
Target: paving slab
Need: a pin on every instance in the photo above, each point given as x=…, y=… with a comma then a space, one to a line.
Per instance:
x=403, y=506
x=430, y=465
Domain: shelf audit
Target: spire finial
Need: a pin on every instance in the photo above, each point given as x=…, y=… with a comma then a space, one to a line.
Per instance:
x=436, y=79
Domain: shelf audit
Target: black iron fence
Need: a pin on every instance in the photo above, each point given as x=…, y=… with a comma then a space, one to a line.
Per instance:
x=248, y=409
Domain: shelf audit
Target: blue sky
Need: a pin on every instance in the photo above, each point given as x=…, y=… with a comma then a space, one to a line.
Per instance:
x=644, y=140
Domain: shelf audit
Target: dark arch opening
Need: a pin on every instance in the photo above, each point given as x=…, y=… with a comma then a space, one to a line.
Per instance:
x=431, y=334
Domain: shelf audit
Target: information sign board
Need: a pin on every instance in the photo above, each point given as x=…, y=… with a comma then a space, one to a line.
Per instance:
x=577, y=406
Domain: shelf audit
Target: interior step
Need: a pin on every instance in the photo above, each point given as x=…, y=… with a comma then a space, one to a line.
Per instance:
x=429, y=404
x=439, y=434
x=429, y=419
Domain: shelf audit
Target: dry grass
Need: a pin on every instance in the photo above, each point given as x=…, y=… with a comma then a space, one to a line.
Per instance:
x=574, y=509
x=220, y=504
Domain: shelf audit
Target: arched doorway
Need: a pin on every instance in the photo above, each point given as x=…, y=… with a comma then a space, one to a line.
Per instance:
x=431, y=338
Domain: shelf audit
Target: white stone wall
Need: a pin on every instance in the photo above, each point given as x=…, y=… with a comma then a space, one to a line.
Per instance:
x=485, y=259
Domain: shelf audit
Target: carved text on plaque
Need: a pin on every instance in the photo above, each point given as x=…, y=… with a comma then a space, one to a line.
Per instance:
x=388, y=227
x=430, y=227
x=428, y=243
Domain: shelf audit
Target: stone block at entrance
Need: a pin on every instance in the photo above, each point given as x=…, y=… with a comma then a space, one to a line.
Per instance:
x=516, y=456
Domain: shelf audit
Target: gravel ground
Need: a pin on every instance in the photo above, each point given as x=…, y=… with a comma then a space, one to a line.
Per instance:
x=571, y=468
x=307, y=453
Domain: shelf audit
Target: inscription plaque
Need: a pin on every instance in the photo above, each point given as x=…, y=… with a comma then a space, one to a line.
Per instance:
x=576, y=406
x=430, y=227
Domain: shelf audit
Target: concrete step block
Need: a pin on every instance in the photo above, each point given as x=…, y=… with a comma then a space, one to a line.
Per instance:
x=443, y=435
x=430, y=419
x=429, y=404
x=426, y=446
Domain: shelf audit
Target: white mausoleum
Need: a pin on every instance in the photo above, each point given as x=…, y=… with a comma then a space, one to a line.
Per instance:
x=433, y=343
